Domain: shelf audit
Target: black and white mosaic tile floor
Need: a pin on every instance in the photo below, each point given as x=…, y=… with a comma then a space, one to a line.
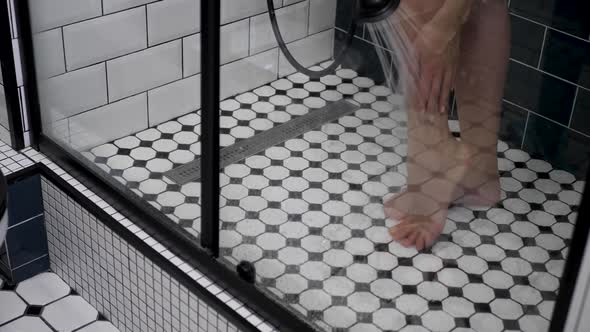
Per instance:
x=46, y=303
x=308, y=214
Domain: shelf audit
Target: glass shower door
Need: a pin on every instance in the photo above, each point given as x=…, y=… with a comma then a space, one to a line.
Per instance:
x=361, y=212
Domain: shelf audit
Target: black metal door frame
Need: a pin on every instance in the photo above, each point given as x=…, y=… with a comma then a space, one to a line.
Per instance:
x=15, y=121
x=206, y=255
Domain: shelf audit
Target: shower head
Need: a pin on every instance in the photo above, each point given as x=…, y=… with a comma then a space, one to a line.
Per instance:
x=375, y=10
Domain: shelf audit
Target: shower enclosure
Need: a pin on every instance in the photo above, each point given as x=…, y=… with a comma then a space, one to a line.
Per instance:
x=189, y=111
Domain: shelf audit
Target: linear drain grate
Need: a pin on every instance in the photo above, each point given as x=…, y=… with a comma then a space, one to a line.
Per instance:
x=243, y=149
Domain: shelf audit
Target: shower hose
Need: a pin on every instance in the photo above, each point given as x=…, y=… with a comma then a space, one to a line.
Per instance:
x=298, y=66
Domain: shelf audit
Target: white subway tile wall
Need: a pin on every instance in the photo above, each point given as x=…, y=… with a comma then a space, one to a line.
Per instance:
x=47, y=15
x=145, y=70
x=92, y=53
x=72, y=93
x=172, y=19
x=111, y=6
x=292, y=23
x=127, y=115
x=308, y=51
x=174, y=100
x=191, y=54
x=104, y=38
x=48, y=44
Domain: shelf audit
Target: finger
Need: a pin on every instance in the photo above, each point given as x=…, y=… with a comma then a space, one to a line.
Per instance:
x=410, y=240
x=425, y=83
x=420, y=242
x=434, y=96
x=446, y=90
x=399, y=232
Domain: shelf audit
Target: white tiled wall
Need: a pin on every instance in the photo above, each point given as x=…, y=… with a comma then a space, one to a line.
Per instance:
x=133, y=292
x=93, y=53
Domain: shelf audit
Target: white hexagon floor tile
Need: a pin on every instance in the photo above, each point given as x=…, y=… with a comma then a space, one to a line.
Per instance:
x=308, y=213
x=46, y=303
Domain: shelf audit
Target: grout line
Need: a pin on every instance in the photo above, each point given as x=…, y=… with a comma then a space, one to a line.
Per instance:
x=549, y=74
x=95, y=17
x=106, y=74
x=542, y=48
x=569, y=124
x=29, y=262
x=63, y=44
x=548, y=27
x=308, y=24
x=249, y=35
x=182, y=57
x=147, y=37
x=147, y=104
x=24, y=221
x=174, y=40
x=546, y=118
x=526, y=124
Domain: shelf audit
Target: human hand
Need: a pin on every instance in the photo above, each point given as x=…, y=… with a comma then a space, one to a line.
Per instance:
x=433, y=72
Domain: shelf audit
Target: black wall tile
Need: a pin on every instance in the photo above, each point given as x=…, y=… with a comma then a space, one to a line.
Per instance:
x=581, y=116
x=512, y=124
x=344, y=17
x=527, y=40
x=538, y=92
x=24, y=200
x=567, y=57
x=26, y=242
x=570, y=16
x=30, y=270
x=558, y=145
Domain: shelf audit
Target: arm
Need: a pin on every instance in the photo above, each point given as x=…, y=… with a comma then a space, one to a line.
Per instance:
x=449, y=18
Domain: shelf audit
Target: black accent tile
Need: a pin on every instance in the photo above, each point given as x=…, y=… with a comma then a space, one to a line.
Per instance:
x=434, y=305
x=482, y=307
x=462, y=322
x=409, y=289
x=540, y=93
x=570, y=16
x=526, y=41
x=33, y=310
x=511, y=325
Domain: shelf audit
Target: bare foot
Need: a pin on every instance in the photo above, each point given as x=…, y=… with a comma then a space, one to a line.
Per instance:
x=423, y=207
x=419, y=231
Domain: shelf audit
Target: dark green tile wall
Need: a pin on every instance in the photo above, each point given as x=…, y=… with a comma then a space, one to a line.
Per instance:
x=546, y=109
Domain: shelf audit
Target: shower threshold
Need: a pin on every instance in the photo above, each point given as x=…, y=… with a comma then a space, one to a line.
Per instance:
x=307, y=212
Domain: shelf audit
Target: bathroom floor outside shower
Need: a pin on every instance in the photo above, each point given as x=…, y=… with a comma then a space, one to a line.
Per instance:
x=308, y=214
x=45, y=303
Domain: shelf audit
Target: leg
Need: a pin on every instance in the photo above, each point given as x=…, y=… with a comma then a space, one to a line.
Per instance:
x=485, y=48
x=439, y=167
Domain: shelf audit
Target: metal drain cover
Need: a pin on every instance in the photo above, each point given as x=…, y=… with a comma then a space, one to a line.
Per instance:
x=243, y=149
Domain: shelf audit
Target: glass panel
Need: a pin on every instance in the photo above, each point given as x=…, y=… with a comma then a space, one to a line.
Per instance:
x=5, y=126
x=415, y=206
x=366, y=199
x=119, y=86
